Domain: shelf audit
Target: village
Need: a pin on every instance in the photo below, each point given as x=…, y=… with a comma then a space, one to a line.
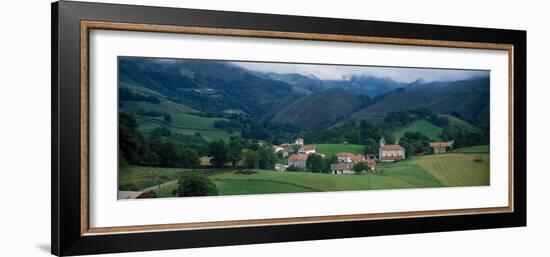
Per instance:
x=297, y=154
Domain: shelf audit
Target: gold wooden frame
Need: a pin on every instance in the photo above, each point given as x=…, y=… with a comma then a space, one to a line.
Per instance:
x=86, y=26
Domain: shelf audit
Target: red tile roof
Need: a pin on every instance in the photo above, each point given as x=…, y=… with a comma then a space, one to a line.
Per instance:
x=441, y=144
x=309, y=147
x=296, y=157
x=392, y=147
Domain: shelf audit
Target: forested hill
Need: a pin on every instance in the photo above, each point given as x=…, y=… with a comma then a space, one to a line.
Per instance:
x=466, y=98
x=208, y=86
x=219, y=87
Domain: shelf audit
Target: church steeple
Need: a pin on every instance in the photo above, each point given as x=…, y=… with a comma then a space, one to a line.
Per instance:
x=382, y=141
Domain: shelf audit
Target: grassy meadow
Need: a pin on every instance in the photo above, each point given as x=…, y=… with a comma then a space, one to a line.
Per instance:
x=424, y=126
x=428, y=171
x=187, y=124
x=333, y=149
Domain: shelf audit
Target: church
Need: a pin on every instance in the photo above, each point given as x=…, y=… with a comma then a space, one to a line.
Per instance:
x=390, y=153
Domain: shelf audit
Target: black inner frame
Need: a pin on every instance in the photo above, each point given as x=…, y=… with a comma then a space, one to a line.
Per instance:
x=65, y=166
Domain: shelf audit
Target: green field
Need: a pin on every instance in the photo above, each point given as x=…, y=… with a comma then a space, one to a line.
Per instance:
x=456, y=122
x=423, y=126
x=164, y=106
x=457, y=169
x=332, y=149
x=473, y=149
x=188, y=124
x=429, y=171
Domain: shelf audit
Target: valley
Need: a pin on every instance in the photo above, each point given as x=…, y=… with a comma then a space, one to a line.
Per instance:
x=247, y=132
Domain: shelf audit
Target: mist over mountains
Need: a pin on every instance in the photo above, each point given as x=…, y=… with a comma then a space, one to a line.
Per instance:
x=297, y=99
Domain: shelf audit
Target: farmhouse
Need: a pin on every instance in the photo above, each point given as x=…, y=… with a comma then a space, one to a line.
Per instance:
x=307, y=149
x=350, y=157
x=390, y=153
x=441, y=147
x=298, y=161
x=371, y=163
x=342, y=168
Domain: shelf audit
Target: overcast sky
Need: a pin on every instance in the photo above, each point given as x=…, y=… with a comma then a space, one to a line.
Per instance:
x=336, y=72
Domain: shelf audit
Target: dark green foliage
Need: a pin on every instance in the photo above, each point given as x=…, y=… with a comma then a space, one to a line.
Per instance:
x=219, y=152
x=235, y=150
x=195, y=184
x=438, y=121
x=267, y=159
x=360, y=167
x=160, y=132
x=251, y=159
x=169, y=154
x=371, y=147
x=315, y=163
x=167, y=118
x=131, y=144
x=415, y=143
x=463, y=137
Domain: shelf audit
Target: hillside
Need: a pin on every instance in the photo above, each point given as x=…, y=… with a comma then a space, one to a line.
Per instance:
x=433, y=131
x=470, y=98
x=423, y=126
x=187, y=124
x=320, y=109
x=370, y=86
x=207, y=86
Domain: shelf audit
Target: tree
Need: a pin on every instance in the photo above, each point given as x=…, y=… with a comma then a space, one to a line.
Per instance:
x=371, y=147
x=131, y=142
x=167, y=118
x=188, y=157
x=409, y=149
x=195, y=184
x=251, y=159
x=219, y=153
x=315, y=163
x=160, y=132
x=360, y=167
x=267, y=158
x=235, y=150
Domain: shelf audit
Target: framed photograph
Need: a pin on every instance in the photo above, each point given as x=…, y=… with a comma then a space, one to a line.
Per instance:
x=178, y=128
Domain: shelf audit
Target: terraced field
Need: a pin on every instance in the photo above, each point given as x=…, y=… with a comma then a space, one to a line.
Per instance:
x=188, y=124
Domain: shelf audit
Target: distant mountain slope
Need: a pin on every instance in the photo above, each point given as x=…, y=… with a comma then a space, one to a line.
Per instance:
x=208, y=86
x=320, y=109
x=371, y=86
x=470, y=98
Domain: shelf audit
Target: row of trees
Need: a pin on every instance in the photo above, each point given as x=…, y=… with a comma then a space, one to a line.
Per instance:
x=253, y=154
x=135, y=148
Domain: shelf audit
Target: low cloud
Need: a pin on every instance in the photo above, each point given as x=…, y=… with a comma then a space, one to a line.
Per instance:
x=342, y=72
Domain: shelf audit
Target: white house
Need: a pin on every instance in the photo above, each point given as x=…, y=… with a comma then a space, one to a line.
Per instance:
x=342, y=168
x=441, y=147
x=298, y=161
x=307, y=149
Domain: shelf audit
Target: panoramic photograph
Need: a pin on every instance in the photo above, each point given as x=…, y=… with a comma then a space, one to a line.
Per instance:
x=191, y=127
